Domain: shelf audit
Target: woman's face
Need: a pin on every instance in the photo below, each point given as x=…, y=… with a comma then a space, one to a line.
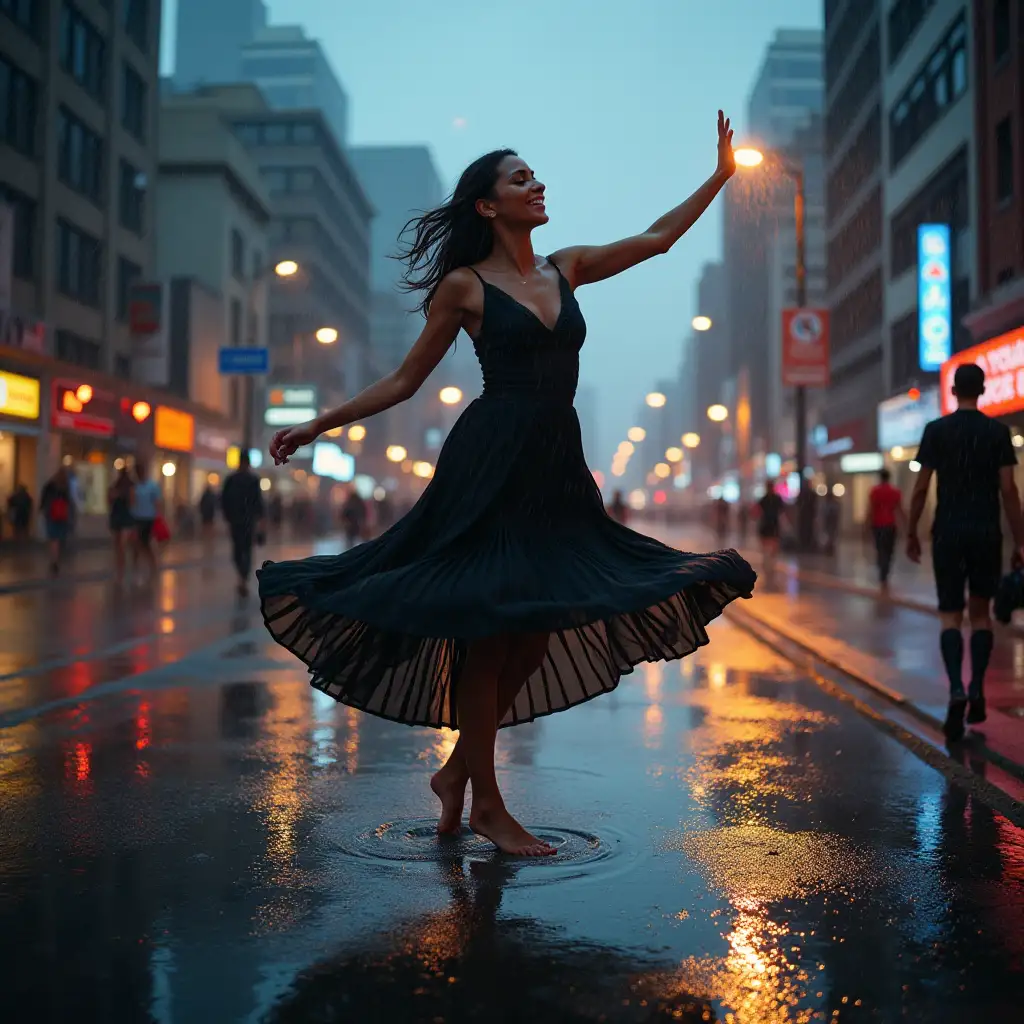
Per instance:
x=517, y=198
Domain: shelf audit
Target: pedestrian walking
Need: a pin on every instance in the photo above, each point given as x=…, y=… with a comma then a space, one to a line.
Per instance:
x=19, y=512
x=242, y=505
x=721, y=517
x=885, y=516
x=353, y=518
x=56, y=508
x=831, y=516
x=973, y=459
x=146, y=505
x=119, y=519
x=507, y=592
x=770, y=511
x=618, y=509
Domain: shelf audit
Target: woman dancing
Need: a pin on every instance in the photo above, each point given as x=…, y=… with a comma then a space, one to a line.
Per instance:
x=507, y=592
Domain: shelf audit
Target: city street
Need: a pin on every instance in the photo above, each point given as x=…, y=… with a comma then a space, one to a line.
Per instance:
x=192, y=834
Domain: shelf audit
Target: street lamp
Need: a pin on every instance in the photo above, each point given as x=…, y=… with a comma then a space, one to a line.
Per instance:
x=636, y=434
x=327, y=335
x=673, y=454
x=718, y=413
x=690, y=439
x=395, y=452
x=286, y=268
x=662, y=470
x=701, y=323
x=357, y=433
x=450, y=395
x=655, y=399
x=750, y=157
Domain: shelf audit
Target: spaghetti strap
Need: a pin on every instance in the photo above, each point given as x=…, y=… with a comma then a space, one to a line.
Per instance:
x=556, y=266
x=478, y=277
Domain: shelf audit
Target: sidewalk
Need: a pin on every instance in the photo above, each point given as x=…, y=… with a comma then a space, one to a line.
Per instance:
x=889, y=645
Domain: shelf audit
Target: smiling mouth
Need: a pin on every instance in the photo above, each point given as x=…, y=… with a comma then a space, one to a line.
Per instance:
x=536, y=202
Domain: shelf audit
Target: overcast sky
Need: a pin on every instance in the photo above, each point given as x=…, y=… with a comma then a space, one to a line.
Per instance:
x=612, y=103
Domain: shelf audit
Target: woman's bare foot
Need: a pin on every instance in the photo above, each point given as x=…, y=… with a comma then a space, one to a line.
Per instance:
x=497, y=825
x=450, y=788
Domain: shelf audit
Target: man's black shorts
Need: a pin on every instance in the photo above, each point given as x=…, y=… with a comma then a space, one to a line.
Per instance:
x=966, y=561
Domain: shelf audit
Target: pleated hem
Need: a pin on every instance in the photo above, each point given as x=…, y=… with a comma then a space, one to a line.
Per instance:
x=413, y=679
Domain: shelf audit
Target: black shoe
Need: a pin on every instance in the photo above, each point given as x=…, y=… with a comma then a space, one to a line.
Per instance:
x=976, y=710
x=953, y=726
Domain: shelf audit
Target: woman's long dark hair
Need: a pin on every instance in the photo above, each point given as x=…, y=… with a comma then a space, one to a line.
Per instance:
x=454, y=235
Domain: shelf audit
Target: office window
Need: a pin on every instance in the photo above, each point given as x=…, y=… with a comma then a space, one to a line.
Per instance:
x=1000, y=30
x=904, y=18
x=79, y=156
x=127, y=274
x=26, y=14
x=131, y=198
x=123, y=367
x=236, y=323
x=25, y=222
x=1004, y=160
x=73, y=348
x=136, y=22
x=133, y=102
x=83, y=53
x=79, y=264
x=304, y=132
x=257, y=264
x=277, y=67
x=275, y=134
x=18, y=105
x=237, y=254
x=941, y=79
x=864, y=77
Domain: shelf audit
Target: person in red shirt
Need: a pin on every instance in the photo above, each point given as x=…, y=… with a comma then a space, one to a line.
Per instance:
x=885, y=514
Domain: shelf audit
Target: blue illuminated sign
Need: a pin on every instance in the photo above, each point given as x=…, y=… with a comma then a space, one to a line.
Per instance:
x=934, y=296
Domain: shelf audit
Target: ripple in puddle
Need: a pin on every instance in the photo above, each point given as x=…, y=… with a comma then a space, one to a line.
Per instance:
x=416, y=840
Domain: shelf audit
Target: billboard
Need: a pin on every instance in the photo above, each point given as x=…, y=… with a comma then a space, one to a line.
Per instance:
x=805, y=348
x=934, y=296
x=901, y=420
x=1002, y=359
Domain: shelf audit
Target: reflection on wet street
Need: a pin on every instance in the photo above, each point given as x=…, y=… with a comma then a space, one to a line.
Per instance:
x=192, y=834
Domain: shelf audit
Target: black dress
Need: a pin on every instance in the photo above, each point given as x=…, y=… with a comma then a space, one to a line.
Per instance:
x=510, y=536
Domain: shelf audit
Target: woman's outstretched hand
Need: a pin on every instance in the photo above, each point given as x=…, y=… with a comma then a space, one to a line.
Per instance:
x=726, y=161
x=285, y=442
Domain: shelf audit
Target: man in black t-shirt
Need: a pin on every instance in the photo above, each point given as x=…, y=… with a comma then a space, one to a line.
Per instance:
x=242, y=503
x=973, y=458
x=770, y=510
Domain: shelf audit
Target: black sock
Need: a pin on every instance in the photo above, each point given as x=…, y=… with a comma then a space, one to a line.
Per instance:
x=951, y=643
x=981, y=651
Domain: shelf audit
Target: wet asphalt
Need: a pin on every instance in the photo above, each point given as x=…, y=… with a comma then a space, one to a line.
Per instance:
x=191, y=834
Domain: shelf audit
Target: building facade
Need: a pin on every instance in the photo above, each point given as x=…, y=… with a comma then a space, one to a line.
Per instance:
x=209, y=39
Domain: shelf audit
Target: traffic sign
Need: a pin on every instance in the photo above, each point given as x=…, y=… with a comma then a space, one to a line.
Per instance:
x=805, y=348
x=233, y=361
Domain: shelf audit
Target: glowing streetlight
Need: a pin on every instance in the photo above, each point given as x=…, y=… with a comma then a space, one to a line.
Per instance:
x=718, y=413
x=327, y=335
x=424, y=470
x=636, y=434
x=168, y=469
x=690, y=439
x=84, y=394
x=662, y=470
x=450, y=395
x=395, y=452
x=625, y=448
x=673, y=454
x=356, y=433
x=655, y=399
x=701, y=323
x=747, y=156
x=286, y=268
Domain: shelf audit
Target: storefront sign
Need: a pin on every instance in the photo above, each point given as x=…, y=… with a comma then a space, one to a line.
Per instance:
x=211, y=444
x=805, y=348
x=145, y=308
x=19, y=396
x=901, y=420
x=80, y=408
x=1002, y=359
x=862, y=462
x=934, y=296
x=173, y=429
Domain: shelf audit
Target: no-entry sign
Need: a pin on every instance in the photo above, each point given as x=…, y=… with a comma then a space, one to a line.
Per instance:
x=805, y=348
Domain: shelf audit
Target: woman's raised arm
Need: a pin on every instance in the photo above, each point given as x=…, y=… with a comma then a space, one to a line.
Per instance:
x=585, y=264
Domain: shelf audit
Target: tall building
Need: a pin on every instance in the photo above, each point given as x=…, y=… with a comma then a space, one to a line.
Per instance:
x=855, y=172
x=78, y=123
x=209, y=39
x=293, y=73
x=758, y=209
x=999, y=169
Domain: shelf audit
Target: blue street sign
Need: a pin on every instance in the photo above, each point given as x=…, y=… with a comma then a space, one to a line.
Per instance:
x=243, y=360
x=934, y=296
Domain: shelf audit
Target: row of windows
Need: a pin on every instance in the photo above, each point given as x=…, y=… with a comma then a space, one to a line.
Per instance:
x=133, y=102
x=1001, y=35
x=136, y=22
x=838, y=48
x=18, y=101
x=858, y=314
x=131, y=198
x=941, y=81
x=23, y=250
x=1004, y=160
x=861, y=236
x=127, y=274
x=79, y=156
x=943, y=199
x=79, y=264
x=276, y=67
x=905, y=16
x=861, y=160
x=26, y=14
x=863, y=77
x=83, y=52
x=73, y=348
x=904, y=334
x=810, y=97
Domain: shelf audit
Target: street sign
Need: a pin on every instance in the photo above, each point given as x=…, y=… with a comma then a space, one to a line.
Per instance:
x=805, y=348
x=233, y=361
x=934, y=297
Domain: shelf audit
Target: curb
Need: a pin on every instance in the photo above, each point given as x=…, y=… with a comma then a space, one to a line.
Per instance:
x=808, y=645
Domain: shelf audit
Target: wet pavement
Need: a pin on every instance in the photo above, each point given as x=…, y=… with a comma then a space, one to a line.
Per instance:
x=190, y=833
